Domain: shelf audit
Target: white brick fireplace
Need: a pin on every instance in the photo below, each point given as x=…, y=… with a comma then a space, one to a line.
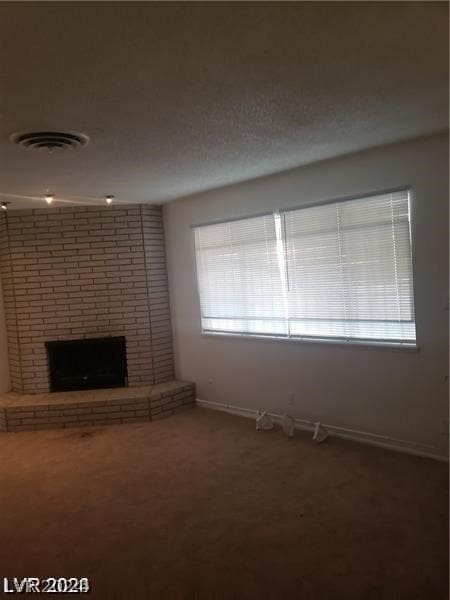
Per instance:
x=80, y=272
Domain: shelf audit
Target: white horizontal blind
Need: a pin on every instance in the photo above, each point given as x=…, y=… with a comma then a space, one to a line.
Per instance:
x=336, y=271
x=350, y=270
x=239, y=277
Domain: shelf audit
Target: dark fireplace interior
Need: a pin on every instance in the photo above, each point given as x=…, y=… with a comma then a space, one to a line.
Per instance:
x=87, y=364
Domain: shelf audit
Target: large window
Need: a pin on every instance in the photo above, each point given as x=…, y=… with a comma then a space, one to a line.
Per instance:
x=336, y=271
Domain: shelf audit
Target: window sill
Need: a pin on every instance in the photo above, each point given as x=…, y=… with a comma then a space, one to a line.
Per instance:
x=395, y=347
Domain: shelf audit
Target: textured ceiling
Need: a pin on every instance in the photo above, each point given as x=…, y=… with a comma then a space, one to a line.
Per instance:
x=183, y=97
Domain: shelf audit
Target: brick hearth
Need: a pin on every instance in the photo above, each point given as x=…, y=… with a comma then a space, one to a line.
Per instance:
x=24, y=412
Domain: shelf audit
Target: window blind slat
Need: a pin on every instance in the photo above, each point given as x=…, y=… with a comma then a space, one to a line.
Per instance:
x=239, y=278
x=340, y=270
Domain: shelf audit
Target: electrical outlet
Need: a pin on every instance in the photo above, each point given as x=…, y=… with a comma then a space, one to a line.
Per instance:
x=210, y=389
x=291, y=399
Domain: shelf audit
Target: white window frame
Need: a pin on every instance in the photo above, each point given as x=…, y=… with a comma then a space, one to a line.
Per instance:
x=348, y=342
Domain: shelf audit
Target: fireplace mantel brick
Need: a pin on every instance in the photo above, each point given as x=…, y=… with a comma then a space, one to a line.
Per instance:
x=79, y=272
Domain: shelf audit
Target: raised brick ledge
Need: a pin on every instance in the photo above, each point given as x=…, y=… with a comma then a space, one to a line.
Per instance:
x=25, y=412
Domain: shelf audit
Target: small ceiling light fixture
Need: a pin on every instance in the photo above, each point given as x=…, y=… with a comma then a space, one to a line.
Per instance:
x=109, y=199
x=49, y=198
x=4, y=205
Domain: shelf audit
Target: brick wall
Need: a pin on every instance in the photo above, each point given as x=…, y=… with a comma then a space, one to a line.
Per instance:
x=77, y=272
x=158, y=294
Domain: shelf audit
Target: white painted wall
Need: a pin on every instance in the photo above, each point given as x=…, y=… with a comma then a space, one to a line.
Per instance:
x=4, y=363
x=389, y=392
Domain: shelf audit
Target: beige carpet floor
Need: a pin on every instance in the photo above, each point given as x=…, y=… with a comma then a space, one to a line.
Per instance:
x=202, y=506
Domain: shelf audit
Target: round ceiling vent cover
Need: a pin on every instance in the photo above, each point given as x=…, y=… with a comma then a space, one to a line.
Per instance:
x=50, y=140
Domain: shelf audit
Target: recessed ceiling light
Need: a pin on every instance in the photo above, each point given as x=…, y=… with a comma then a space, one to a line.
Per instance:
x=49, y=198
x=109, y=199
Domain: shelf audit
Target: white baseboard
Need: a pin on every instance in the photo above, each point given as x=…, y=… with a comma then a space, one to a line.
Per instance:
x=373, y=439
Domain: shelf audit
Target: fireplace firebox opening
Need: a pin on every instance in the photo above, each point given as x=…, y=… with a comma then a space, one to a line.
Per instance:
x=87, y=364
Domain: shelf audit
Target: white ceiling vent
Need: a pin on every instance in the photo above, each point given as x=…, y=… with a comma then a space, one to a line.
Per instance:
x=50, y=140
